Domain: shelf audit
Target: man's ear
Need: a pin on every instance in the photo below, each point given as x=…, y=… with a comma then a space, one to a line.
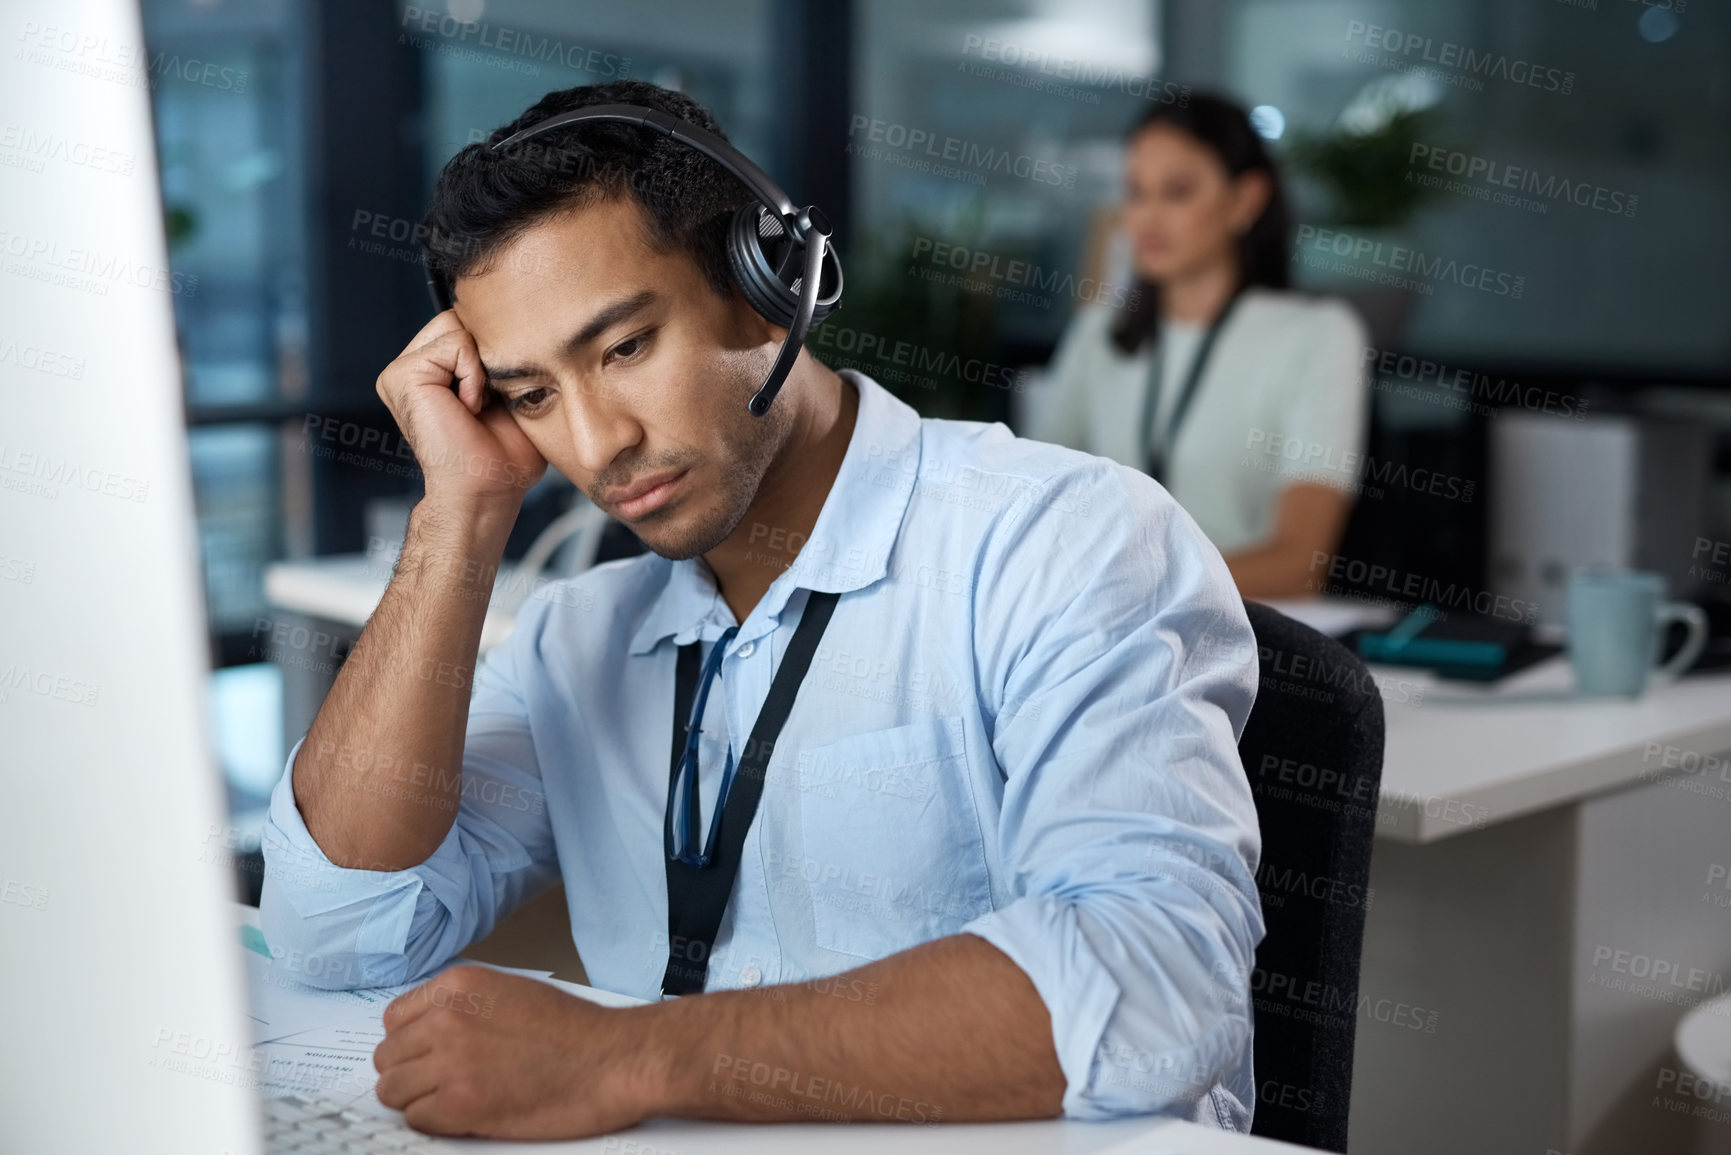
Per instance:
x=753, y=327
x=1251, y=192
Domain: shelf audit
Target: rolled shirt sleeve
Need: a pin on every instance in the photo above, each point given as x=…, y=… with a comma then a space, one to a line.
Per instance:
x=1124, y=668
x=366, y=928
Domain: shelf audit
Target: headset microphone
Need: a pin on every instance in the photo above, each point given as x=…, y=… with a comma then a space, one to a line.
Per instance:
x=781, y=257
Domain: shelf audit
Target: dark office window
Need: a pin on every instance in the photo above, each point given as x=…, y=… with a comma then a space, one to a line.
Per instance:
x=983, y=146
x=226, y=89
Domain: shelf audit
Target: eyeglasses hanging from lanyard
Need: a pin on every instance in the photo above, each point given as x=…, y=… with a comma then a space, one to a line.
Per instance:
x=700, y=879
x=680, y=829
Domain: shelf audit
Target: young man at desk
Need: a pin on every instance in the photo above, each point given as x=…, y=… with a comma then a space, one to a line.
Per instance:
x=997, y=863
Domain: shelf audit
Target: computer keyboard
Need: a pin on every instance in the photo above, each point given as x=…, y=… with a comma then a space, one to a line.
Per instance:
x=293, y=1123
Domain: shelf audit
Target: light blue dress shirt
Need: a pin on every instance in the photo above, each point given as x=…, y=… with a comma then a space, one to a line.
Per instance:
x=1021, y=723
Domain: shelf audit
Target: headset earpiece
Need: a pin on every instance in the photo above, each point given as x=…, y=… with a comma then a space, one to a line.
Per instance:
x=437, y=288
x=767, y=265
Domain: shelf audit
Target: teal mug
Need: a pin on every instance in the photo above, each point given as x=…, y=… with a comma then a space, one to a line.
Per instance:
x=1616, y=620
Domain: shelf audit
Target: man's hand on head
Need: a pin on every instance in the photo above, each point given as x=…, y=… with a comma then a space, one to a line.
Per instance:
x=478, y=1052
x=469, y=451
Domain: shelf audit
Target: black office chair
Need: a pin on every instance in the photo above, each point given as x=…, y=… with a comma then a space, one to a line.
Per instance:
x=1312, y=749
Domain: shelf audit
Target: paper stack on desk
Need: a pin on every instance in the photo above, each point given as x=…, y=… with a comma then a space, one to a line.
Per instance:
x=315, y=1042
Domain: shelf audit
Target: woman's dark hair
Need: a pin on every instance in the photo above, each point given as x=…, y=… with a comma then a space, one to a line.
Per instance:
x=1224, y=128
x=484, y=199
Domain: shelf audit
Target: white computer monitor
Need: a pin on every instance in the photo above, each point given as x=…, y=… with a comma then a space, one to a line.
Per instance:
x=122, y=988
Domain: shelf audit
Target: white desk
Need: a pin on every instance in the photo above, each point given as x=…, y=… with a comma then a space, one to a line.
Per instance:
x=1528, y=745
x=1049, y=1137
x=1534, y=850
x=1145, y=1136
x=346, y=588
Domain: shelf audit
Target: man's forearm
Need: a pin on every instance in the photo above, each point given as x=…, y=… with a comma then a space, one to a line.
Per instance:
x=379, y=777
x=951, y=1030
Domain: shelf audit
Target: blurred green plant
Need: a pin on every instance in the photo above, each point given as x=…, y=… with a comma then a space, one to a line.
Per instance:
x=1366, y=173
x=909, y=323
x=180, y=222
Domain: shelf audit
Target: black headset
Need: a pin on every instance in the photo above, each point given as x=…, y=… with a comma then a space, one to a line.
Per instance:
x=781, y=256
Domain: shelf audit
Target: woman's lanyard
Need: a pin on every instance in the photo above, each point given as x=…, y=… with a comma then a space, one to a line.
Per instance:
x=698, y=885
x=1154, y=456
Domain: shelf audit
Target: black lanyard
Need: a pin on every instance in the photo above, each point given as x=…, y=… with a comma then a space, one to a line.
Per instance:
x=1154, y=457
x=697, y=896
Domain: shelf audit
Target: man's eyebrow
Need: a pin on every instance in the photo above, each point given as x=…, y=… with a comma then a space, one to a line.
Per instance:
x=609, y=316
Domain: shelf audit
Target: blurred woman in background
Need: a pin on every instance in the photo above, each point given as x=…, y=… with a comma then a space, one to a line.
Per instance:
x=1215, y=372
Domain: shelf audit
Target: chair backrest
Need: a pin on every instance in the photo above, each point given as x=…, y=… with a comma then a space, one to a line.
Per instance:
x=1312, y=749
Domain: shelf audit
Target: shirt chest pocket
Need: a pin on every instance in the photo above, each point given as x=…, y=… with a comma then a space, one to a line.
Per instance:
x=893, y=850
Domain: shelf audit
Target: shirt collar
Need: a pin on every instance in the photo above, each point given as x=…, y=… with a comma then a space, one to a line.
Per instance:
x=850, y=543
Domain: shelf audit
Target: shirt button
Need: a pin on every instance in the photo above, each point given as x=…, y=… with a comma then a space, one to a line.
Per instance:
x=745, y=651
x=750, y=976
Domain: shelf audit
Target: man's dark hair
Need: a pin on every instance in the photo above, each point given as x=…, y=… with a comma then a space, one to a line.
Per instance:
x=484, y=200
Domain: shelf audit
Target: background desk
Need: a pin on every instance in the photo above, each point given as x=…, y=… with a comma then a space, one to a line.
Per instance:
x=1525, y=838
x=346, y=588
x=336, y=594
